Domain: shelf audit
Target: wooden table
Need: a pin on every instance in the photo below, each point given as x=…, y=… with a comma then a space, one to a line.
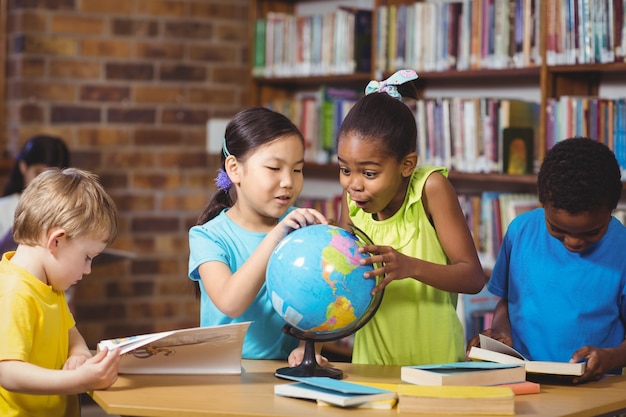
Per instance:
x=251, y=394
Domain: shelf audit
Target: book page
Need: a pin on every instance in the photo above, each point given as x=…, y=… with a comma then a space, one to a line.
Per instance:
x=488, y=343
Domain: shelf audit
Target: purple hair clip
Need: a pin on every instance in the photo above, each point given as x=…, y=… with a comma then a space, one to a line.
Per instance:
x=222, y=180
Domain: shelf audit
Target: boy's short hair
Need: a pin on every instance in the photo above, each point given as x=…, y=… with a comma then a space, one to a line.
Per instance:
x=71, y=199
x=580, y=175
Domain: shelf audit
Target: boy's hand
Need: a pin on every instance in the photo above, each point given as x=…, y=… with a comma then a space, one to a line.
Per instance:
x=74, y=362
x=496, y=334
x=598, y=363
x=100, y=371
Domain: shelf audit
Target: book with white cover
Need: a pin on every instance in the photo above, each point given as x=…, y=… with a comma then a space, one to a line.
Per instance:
x=495, y=351
x=197, y=350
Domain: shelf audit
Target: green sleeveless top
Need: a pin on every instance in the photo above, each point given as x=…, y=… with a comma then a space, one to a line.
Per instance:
x=415, y=323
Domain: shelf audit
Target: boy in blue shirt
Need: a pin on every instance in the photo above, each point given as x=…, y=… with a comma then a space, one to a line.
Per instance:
x=561, y=270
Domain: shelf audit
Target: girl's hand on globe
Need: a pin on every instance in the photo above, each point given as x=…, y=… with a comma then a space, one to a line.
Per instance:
x=296, y=219
x=387, y=262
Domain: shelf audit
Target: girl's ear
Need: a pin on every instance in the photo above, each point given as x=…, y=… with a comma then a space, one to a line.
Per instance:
x=409, y=163
x=232, y=169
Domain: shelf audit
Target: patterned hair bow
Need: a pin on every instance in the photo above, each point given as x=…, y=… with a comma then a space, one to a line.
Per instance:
x=390, y=85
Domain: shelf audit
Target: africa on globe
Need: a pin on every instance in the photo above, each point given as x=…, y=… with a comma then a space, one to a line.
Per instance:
x=316, y=284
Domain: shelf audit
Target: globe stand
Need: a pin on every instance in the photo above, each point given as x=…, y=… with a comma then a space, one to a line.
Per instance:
x=309, y=366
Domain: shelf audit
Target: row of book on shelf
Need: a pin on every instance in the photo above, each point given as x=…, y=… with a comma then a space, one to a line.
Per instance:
x=288, y=45
x=428, y=36
x=457, y=35
x=437, y=36
x=467, y=134
x=585, y=31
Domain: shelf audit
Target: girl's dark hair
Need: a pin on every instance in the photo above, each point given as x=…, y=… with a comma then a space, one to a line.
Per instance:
x=48, y=150
x=386, y=120
x=248, y=130
x=579, y=175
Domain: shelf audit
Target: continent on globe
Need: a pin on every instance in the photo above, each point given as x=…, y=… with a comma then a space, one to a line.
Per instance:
x=315, y=280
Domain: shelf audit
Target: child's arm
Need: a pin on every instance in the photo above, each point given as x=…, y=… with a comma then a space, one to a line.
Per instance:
x=233, y=292
x=464, y=274
x=500, y=326
x=98, y=372
x=78, y=352
x=599, y=361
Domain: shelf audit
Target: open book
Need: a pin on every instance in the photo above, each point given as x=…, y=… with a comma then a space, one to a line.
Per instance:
x=197, y=350
x=494, y=351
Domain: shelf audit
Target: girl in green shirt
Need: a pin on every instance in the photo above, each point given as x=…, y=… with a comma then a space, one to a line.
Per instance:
x=413, y=216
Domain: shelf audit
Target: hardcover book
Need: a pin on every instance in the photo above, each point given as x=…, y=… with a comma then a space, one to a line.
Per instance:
x=495, y=351
x=198, y=350
x=463, y=373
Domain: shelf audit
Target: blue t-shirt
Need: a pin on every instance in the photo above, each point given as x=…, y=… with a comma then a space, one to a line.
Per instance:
x=220, y=239
x=560, y=301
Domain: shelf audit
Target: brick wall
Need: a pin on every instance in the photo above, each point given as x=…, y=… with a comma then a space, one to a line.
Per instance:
x=129, y=84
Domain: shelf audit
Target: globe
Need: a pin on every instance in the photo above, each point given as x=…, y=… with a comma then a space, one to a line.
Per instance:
x=315, y=281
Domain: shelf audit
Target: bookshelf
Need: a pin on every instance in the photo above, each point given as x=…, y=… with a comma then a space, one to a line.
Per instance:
x=542, y=73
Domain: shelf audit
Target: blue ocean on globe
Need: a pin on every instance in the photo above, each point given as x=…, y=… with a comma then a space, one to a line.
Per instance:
x=316, y=282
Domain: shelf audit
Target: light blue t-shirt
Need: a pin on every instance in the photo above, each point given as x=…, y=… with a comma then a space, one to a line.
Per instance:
x=560, y=301
x=220, y=239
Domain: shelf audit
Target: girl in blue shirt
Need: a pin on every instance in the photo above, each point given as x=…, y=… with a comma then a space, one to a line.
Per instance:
x=258, y=182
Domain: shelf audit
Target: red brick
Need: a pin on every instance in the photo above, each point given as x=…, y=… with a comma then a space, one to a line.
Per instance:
x=106, y=48
x=214, y=53
x=103, y=137
x=179, y=203
x=74, y=69
x=27, y=21
x=155, y=225
x=161, y=50
x=159, y=94
x=190, y=30
x=168, y=8
x=157, y=137
x=219, y=11
x=183, y=73
x=121, y=7
x=156, y=181
x=126, y=159
x=134, y=27
x=25, y=67
x=182, y=159
x=74, y=114
x=184, y=116
x=213, y=96
x=104, y=93
x=134, y=116
x=231, y=32
x=129, y=71
x=28, y=90
x=52, y=45
x=76, y=24
x=29, y=113
x=134, y=202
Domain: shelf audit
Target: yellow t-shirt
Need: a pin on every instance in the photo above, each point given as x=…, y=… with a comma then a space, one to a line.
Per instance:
x=415, y=323
x=34, y=324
